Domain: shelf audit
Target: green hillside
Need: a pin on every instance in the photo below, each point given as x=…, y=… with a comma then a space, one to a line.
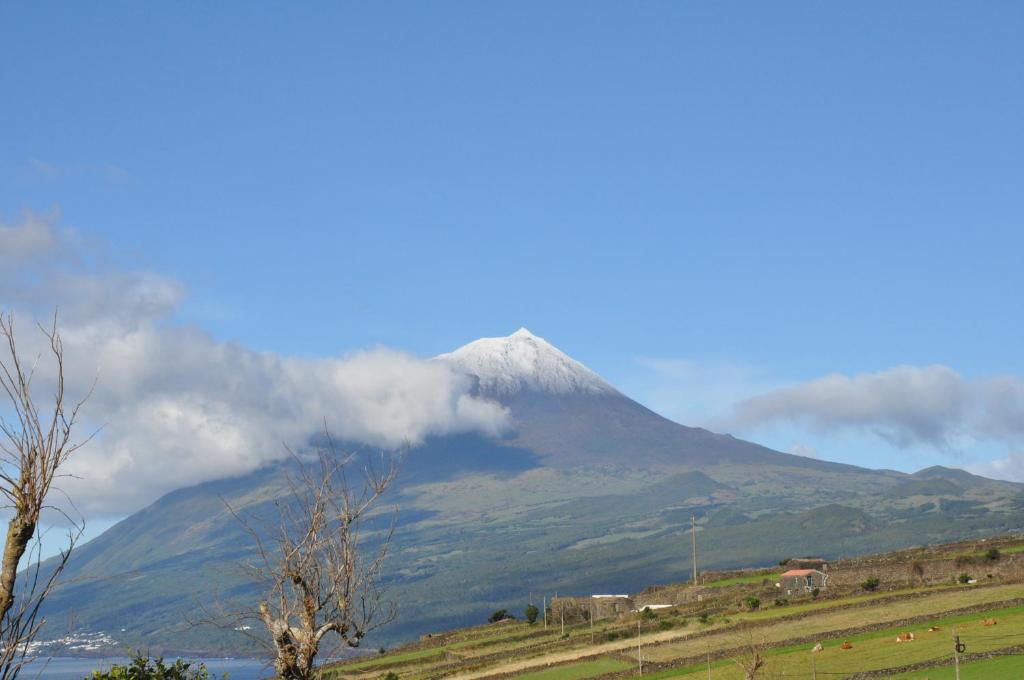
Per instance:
x=579, y=530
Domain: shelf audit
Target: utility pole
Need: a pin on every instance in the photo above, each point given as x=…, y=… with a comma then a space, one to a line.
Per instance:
x=958, y=649
x=639, y=659
x=561, y=616
x=814, y=667
x=591, y=620
x=545, y=611
x=709, y=663
x=693, y=535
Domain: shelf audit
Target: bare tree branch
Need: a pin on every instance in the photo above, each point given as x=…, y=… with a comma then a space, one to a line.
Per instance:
x=750, y=657
x=321, y=576
x=34, y=445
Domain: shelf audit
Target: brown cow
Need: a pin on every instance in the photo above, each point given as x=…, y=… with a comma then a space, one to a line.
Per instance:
x=846, y=645
x=905, y=637
x=933, y=629
x=989, y=622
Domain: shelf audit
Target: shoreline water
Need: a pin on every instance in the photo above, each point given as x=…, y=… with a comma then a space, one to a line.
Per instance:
x=77, y=667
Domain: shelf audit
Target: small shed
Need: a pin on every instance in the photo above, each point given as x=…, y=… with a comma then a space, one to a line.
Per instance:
x=797, y=581
x=610, y=606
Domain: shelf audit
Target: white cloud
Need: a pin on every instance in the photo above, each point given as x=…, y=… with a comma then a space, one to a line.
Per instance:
x=905, y=405
x=26, y=243
x=1009, y=467
x=1004, y=407
x=802, y=449
x=44, y=170
x=179, y=407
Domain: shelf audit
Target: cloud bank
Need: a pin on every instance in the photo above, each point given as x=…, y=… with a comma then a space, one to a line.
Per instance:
x=1011, y=467
x=177, y=407
x=905, y=405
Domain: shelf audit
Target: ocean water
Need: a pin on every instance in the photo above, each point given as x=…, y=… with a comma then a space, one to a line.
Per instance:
x=70, y=668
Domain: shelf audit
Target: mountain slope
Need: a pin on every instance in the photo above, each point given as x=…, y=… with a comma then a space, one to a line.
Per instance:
x=589, y=491
x=569, y=415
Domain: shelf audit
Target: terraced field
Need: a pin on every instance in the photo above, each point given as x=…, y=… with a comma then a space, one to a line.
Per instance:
x=869, y=624
x=878, y=650
x=699, y=641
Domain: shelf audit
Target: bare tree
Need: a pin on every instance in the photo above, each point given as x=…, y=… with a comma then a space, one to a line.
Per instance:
x=36, y=442
x=321, y=574
x=749, y=657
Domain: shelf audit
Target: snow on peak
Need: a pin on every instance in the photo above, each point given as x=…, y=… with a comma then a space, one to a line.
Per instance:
x=524, y=361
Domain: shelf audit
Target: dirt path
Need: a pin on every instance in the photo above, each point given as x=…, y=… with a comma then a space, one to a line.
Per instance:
x=575, y=654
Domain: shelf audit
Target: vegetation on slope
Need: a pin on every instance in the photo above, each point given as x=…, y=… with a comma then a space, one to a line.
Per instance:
x=682, y=641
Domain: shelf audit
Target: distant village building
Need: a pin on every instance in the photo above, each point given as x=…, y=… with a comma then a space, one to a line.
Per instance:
x=610, y=606
x=796, y=581
x=580, y=609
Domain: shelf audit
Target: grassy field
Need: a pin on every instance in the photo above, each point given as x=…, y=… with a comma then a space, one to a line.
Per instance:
x=527, y=652
x=879, y=649
x=841, y=619
x=1001, y=667
x=742, y=580
x=577, y=671
x=675, y=642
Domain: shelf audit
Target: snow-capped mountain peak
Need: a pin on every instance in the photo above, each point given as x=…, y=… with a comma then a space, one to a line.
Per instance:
x=523, y=361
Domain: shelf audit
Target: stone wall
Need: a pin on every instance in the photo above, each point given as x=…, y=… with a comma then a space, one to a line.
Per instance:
x=926, y=571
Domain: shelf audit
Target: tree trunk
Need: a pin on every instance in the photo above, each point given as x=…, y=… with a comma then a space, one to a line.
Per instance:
x=293, y=660
x=756, y=664
x=19, y=533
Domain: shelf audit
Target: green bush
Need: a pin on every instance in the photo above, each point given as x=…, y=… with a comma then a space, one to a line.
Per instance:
x=781, y=602
x=647, y=614
x=531, y=614
x=665, y=625
x=144, y=668
x=871, y=583
x=815, y=592
x=704, y=618
x=391, y=675
x=963, y=578
x=752, y=603
x=993, y=554
x=499, y=615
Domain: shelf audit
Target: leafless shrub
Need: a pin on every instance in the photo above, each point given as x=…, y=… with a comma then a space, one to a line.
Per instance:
x=320, y=574
x=749, y=656
x=36, y=442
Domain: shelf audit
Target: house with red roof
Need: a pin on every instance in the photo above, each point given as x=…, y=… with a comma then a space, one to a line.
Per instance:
x=796, y=581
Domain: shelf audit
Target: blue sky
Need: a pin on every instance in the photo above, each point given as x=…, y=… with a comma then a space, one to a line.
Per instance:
x=703, y=202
